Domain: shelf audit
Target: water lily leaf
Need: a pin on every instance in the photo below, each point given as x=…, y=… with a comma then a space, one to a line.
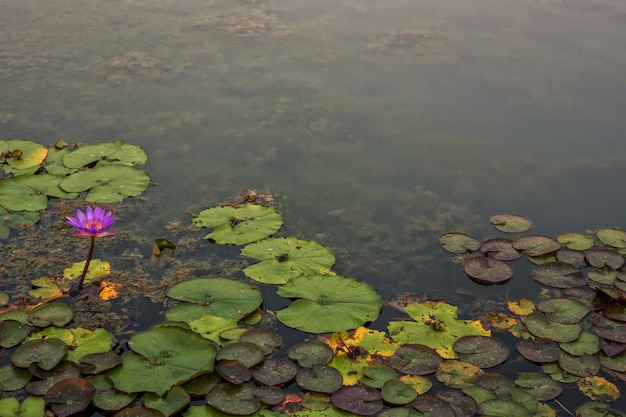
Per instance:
x=328, y=303
x=463, y=404
x=415, y=359
x=431, y=405
x=612, y=237
x=397, y=392
x=54, y=162
x=22, y=154
x=600, y=257
x=557, y=373
x=609, y=329
x=362, y=342
x=536, y=245
x=558, y=274
x=13, y=378
x=539, y=325
x=69, y=396
x=48, y=287
x=563, y=310
x=30, y=407
x=616, y=362
x=539, y=385
x=375, y=376
x=239, y=225
x=95, y=363
x=45, y=353
x=459, y=242
x=56, y=313
x=106, y=397
x=510, y=223
x=274, y=371
x=496, y=386
x=523, y=307
x=15, y=220
x=139, y=412
x=575, y=258
x=583, y=365
x=107, y=184
x=575, y=241
x=166, y=356
x=358, y=399
x=503, y=408
x=201, y=385
x=604, y=276
x=319, y=378
x=500, y=248
x=400, y=412
x=587, y=343
x=457, y=374
x=246, y=353
x=208, y=326
x=311, y=352
x=160, y=245
x=485, y=270
x=482, y=351
x=97, y=268
x=117, y=152
x=233, y=399
x=169, y=404
x=269, y=395
x=285, y=258
x=12, y=333
x=222, y=297
x=16, y=196
x=598, y=388
x=598, y=409
x=539, y=349
x=267, y=340
x=80, y=341
x=46, y=184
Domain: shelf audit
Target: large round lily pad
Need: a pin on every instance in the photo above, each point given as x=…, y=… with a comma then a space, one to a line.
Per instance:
x=319, y=378
x=46, y=184
x=275, y=371
x=117, y=152
x=539, y=325
x=108, y=183
x=223, y=297
x=485, y=270
x=328, y=303
x=459, y=242
x=16, y=196
x=311, y=352
x=239, y=225
x=539, y=349
x=575, y=241
x=415, y=359
x=286, y=258
x=600, y=257
x=563, y=310
x=583, y=365
x=358, y=399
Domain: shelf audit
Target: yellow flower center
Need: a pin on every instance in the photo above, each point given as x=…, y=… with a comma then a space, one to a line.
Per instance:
x=93, y=225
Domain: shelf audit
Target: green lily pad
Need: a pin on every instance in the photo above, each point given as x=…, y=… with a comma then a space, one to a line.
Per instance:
x=16, y=196
x=375, y=376
x=167, y=356
x=311, y=352
x=222, y=297
x=267, y=340
x=485, y=270
x=233, y=371
x=328, y=303
x=536, y=245
x=15, y=220
x=615, y=363
x=459, y=242
x=482, y=351
x=56, y=313
x=107, y=184
x=558, y=274
x=106, y=397
x=604, y=276
x=54, y=162
x=30, y=407
x=500, y=249
x=575, y=241
x=615, y=238
x=431, y=405
x=23, y=153
x=415, y=359
x=397, y=392
x=274, y=371
x=46, y=184
x=233, y=399
x=539, y=385
x=13, y=378
x=285, y=258
x=600, y=257
x=45, y=353
x=609, y=329
x=118, y=153
x=246, y=353
x=503, y=408
x=269, y=395
x=12, y=333
x=587, y=343
x=539, y=349
x=208, y=326
x=358, y=399
x=69, y=396
x=319, y=378
x=539, y=325
x=169, y=404
x=563, y=310
x=48, y=287
x=510, y=223
x=239, y=225
x=583, y=365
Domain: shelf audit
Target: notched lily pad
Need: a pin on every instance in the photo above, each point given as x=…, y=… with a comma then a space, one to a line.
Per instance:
x=69, y=396
x=232, y=399
x=459, y=242
x=536, y=245
x=319, y=378
x=500, y=248
x=599, y=258
x=118, y=153
x=397, y=392
x=233, y=371
x=246, y=353
x=539, y=385
x=358, y=399
x=539, y=349
x=56, y=313
x=275, y=371
x=107, y=184
x=558, y=274
x=612, y=237
x=482, y=351
x=46, y=353
x=563, y=310
x=609, y=329
x=510, y=223
x=485, y=270
x=311, y=352
x=575, y=241
x=583, y=365
x=539, y=325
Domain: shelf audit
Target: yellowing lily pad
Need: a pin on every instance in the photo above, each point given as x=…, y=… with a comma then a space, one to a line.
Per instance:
x=598, y=388
x=97, y=268
x=459, y=242
x=22, y=154
x=510, y=223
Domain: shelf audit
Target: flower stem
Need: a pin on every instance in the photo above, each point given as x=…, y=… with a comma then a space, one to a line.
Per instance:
x=82, y=276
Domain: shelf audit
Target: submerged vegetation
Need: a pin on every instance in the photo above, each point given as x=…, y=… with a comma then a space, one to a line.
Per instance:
x=219, y=350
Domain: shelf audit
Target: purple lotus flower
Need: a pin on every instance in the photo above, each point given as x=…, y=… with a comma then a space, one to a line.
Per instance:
x=93, y=222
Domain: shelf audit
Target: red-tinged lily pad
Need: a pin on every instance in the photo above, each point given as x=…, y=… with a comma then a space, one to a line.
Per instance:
x=500, y=248
x=47, y=379
x=563, y=310
x=575, y=241
x=599, y=258
x=106, y=396
x=274, y=371
x=558, y=274
x=269, y=395
x=463, y=404
x=319, y=378
x=358, y=399
x=139, y=412
x=510, y=223
x=612, y=348
x=485, y=270
x=311, y=352
x=615, y=311
x=431, y=405
x=609, y=329
x=615, y=238
x=498, y=407
x=539, y=385
x=575, y=258
x=539, y=325
x=169, y=404
x=46, y=353
x=415, y=359
x=232, y=399
x=583, y=365
x=459, y=242
x=397, y=392
x=246, y=353
x=482, y=351
x=539, y=349
x=69, y=396
x=536, y=245
x=593, y=299
x=233, y=371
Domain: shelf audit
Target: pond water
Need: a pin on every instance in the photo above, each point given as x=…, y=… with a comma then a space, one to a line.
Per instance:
x=376, y=125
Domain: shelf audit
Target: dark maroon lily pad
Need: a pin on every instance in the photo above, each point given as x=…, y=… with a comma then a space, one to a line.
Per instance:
x=358, y=399
x=47, y=379
x=246, y=353
x=615, y=311
x=267, y=340
x=583, y=365
x=510, y=223
x=615, y=363
x=462, y=404
x=573, y=257
x=202, y=384
x=563, y=310
x=459, y=242
x=415, y=359
x=482, y=351
x=593, y=299
x=558, y=274
x=536, y=245
x=611, y=348
x=433, y=406
x=486, y=271
x=609, y=329
x=106, y=397
x=500, y=248
x=538, y=324
x=319, y=378
x=600, y=257
x=12, y=333
x=69, y=396
x=95, y=363
x=539, y=385
x=274, y=371
x=233, y=371
x=539, y=349
x=397, y=392
x=311, y=352
x=495, y=383
x=269, y=395
x=233, y=399
x=47, y=353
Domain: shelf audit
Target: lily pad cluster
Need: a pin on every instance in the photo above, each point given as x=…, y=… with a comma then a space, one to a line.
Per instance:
x=106, y=172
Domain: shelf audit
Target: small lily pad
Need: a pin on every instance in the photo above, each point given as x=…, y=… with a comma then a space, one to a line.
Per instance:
x=116, y=152
x=358, y=399
x=510, y=223
x=536, y=245
x=482, y=351
x=500, y=248
x=233, y=399
x=397, y=392
x=319, y=378
x=583, y=365
x=246, y=353
x=13, y=378
x=23, y=154
x=600, y=257
x=431, y=405
x=485, y=270
x=573, y=257
x=539, y=385
x=270, y=395
x=558, y=274
x=56, y=313
x=458, y=374
x=30, y=407
x=609, y=329
x=267, y=340
x=12, y=333
x=563, y=310
x=575, y=241
x=311, y=352
x=459, y=242
x=539, y=349
x=69, y=396
x=106, y=396
x=375, y=376
x=169, y=404
x=415, y=359
x=275, y=371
